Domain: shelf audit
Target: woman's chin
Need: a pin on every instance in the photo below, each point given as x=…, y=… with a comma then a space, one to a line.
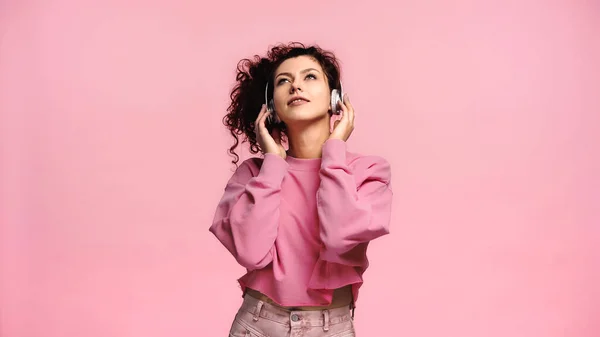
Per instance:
x=303, y=118
x=305, y=122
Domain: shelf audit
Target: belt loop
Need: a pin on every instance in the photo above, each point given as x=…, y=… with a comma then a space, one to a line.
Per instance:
x=352, y=306
x=257, y=310
x=325, y=320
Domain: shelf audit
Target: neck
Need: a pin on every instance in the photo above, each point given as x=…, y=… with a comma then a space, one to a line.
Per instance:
x=306, y=141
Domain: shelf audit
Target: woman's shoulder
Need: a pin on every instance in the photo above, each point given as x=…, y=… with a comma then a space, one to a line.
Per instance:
x=247, y=169
x=363, y=167
x=369, y=166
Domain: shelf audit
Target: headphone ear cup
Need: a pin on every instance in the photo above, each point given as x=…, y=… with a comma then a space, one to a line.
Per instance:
x=335, y=99
x=273, y=118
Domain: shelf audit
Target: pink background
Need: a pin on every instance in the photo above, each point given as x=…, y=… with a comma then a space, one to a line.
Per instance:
x=114, y=157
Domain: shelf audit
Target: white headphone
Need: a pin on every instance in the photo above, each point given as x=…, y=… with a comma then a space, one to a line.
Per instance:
x=336, y=98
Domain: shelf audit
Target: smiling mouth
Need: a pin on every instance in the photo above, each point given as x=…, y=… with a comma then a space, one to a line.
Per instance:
x=298, y=101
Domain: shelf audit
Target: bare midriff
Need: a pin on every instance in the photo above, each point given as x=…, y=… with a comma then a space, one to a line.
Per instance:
x=341, y=297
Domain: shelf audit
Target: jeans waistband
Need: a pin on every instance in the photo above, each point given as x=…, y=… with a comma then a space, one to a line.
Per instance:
x=325, y=317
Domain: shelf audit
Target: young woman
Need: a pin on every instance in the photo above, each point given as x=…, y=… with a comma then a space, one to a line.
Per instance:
x=300, y=218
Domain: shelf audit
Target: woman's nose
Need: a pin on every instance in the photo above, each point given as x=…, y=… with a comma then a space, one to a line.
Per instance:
x=295, y=87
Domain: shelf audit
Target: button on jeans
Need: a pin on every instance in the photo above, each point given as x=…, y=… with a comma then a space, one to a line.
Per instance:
x=256, y=318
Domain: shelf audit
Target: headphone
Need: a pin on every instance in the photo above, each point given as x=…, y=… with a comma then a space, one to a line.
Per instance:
x=336, y=98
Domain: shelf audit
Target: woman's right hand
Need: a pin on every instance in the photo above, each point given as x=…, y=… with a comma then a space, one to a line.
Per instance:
x=268, y=142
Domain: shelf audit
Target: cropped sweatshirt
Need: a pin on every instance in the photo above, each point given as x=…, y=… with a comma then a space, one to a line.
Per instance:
x=301, y=227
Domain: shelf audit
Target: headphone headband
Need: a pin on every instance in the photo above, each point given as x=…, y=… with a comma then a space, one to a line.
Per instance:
x=266, y=92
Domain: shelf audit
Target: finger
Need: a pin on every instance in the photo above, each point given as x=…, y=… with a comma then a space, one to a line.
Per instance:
x=261, y=121
x=263, y=108
x=344, y=111
x=349, y=107
x=269, y=116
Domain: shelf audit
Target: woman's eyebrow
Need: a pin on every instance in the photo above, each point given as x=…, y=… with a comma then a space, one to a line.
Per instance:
x=302, y=72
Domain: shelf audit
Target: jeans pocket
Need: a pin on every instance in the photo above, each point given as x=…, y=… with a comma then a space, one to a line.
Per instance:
x=347, y=333
x=239, y=329
x=343, y=330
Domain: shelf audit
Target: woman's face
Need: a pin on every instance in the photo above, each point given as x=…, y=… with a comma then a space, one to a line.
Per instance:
x=301, y=91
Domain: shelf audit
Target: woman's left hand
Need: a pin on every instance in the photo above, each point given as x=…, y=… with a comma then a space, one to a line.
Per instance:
x=343, y=127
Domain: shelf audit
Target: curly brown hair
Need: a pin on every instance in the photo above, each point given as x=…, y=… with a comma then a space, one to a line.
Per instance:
x=247, y=96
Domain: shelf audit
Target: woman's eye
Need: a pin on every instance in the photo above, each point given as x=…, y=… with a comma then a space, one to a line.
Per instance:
x=311, y=76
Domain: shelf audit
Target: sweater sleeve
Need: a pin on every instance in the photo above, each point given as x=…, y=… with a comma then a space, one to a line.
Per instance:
x=246, y=220
x=354, y=203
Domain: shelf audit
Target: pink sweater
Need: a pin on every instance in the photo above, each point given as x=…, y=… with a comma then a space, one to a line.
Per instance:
x=301, y=226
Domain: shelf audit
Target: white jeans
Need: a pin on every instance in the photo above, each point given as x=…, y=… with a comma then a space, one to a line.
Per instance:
x=256, y=318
